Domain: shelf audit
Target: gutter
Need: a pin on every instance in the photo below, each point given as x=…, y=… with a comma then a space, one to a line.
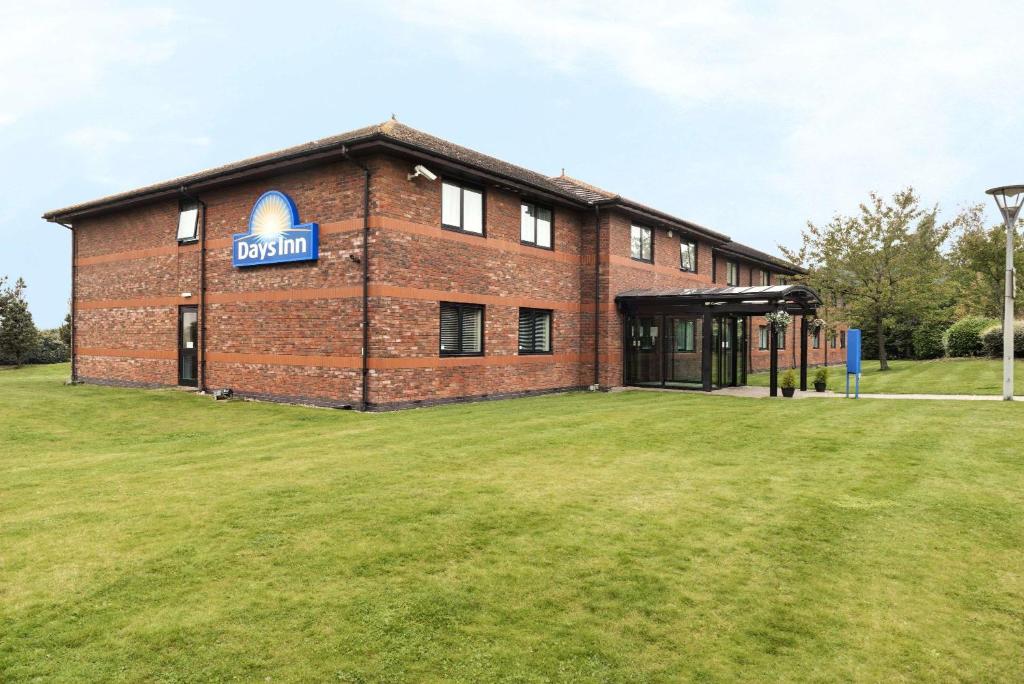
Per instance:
x=364, y=354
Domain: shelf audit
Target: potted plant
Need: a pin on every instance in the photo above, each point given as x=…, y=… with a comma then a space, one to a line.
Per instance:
x=788, y=383
x=820, y=379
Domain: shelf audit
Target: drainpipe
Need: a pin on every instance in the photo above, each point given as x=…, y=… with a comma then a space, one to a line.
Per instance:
x=202, y=286
x=597, y=296
x=365, y=352
x=74, y=245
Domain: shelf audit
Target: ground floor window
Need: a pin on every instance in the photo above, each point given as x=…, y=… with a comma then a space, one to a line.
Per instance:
x=684, y=335
x=842, y=339
x=462, y=329
x=816, y=339
x=534, y=331
x=781, y=335
x=762, y=337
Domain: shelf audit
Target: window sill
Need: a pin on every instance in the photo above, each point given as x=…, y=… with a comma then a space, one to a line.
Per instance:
x=643, y=261
x=536, y=353
x=188, y=241
x=456, y=355
x=455, y=229
x=688, y=270
x=534, y=244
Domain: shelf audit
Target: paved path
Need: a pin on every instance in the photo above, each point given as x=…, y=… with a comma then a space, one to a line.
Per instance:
x=752, y=392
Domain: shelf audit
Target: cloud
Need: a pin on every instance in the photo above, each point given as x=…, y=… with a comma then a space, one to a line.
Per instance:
x=870, y=95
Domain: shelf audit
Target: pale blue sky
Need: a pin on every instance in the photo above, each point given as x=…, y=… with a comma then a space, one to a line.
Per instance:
x=746, y=120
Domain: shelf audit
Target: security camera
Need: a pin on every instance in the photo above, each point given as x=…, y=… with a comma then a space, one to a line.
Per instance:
x=422, y=171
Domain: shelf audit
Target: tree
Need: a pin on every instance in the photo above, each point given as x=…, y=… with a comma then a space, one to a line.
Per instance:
x=65, y=331
x=881, y=265
x=978, y=257
x=18, y=334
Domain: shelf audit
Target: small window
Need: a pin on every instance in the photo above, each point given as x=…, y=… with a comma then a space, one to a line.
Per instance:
x=688, y=256
x=842, y=339
x=816, y=339
x=535, y=226
x=765, y=277
x=832, y=340
x=732, y=274
x=534, y=331
x=462, y=329
x=781, y=335
x=462, y=208
x=783, y=280
x=684, y=335
x=762, y=337
x=641, y=246
x=188, y=221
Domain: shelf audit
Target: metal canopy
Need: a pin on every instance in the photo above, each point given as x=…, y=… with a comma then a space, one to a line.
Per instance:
x=759, y=299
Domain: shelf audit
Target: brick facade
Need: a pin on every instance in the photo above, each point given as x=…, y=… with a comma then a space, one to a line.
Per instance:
x=293, y=331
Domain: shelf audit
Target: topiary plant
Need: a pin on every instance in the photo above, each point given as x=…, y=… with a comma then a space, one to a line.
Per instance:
x=963, y=338
x=821, y=375
x=788, y=379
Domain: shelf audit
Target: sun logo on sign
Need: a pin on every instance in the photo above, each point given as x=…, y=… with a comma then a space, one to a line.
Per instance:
x=275, y=234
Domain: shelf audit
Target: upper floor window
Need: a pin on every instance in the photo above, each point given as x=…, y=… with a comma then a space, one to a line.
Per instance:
x=462, y=329
x=732, y=273
x=534, y=331
x=688, y=256
x=462, y=208
x=764, y=277
x=535, y=225
x=641, y=243
x=188, y=221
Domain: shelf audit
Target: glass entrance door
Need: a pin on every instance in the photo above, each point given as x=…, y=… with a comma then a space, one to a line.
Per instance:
x=188, y=345
x=643, y=351
x=728, y=361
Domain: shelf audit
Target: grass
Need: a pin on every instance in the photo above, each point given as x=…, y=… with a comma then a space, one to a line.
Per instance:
x=635, y=536
x=941, y=376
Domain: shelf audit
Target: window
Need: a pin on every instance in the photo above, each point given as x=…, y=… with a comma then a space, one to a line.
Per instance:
x=688, y=256
x=462, y=208
x=732, y=274
x=832, y=340
x=535, y=225
x=765, y=277
x=842, y=339
x=462, y=329
x=816, y=339
x=188, y=221
x=684, y=334
x=762, y=337
x=641, y=245
x=534, y=331
x=781, y=341
x=783, y=280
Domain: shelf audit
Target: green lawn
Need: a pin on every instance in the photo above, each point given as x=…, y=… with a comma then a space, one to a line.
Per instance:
x=634, y=536
x=942, y=376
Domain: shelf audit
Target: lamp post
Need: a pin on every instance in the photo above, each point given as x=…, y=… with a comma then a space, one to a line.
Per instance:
x=1009, y=199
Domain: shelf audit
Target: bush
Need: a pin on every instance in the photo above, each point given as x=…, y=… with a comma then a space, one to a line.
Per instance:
x=821, y=375
x=51, y=348
x=926, y=341
x=963, y=338
x=788, y=379
x=992, y=340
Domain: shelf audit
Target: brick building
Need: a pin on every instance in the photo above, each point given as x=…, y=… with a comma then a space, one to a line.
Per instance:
x=386, y=267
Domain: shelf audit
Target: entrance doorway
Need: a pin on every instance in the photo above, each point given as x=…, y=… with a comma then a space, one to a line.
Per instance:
x=188, y=346
x=729, y=352
x=663, y=351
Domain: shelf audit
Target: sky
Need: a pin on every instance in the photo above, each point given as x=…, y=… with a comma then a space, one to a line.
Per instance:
x=750, y=118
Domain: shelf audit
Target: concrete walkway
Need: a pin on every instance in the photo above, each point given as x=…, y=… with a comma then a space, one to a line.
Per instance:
x=751, y=392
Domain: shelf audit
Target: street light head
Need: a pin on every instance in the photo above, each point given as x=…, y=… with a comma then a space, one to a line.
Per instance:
x=1009, y=198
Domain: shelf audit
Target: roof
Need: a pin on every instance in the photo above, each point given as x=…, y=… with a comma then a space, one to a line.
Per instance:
x=395, y=133
x=746, y=252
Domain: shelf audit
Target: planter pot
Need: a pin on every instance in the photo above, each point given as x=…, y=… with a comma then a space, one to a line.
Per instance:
x=788, y=391
x=820, y=386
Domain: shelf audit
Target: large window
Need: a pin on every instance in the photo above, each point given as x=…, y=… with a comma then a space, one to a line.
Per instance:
x=684, y=335
x=462, y=329
x=535, y=226
x=816, y=339
x=842, y=339
x=641, y=244
x=764, y=277
x=688, y=256
x=462, y=208
x=534, y=331
x=762, y=337
x=732, y=273
x=188, y=221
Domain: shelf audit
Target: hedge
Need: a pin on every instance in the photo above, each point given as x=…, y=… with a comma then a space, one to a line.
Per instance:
x=963, y=338
x=992, y=340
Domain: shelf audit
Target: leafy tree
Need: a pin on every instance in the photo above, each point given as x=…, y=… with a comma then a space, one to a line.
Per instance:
x=978, y=257
x=881, y=266
x=65, y=331
x=18, y=334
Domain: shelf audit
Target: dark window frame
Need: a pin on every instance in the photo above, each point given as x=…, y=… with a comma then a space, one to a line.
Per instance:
x=692, y=322
x=460, y=307
x=693, y=244
x=842, y=339
x=736, y=267
x=781, y=344
x=765, y=277
x=536, y=206
x=534, y=314
x=816, y=339
x=650, y=231
x=183, y=206
x=463, y=186
x=763, y=334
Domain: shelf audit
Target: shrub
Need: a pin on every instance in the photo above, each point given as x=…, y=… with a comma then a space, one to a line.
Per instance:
x=821, y=375
x=963, y=338
x=788, y=379
x=992, y=340
x=926, y=340
x=51, y=348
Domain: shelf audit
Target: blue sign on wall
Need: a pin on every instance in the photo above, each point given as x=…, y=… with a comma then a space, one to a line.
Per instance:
x=853, y=351
x=275, y=235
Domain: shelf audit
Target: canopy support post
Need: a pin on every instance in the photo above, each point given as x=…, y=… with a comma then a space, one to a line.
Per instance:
x=705, y=349
x=773, y=386
x=803, y=353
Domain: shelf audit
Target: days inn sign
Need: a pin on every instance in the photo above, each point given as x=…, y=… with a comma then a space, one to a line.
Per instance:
x=275, y=235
